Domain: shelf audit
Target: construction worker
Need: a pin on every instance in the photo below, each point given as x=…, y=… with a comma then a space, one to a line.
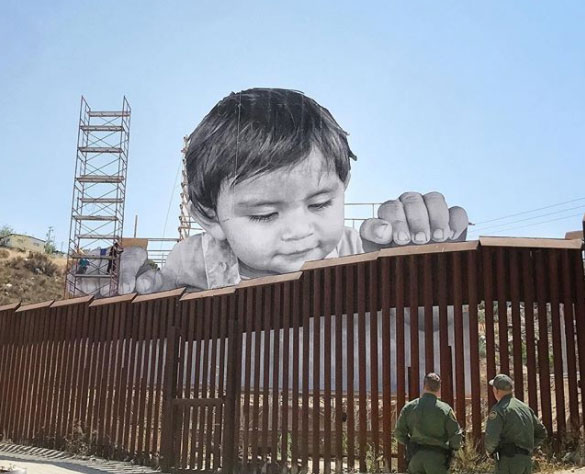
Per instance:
x=429, y=430
x=512, y=430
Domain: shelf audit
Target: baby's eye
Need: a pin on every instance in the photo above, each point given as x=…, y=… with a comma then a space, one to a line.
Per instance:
x=263, y=217
x=320, y=205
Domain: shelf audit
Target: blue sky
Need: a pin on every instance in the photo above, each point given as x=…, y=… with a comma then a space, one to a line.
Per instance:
x=483, y=101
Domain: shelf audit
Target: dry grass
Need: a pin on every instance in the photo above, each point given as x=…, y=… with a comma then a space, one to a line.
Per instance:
x=30, y=278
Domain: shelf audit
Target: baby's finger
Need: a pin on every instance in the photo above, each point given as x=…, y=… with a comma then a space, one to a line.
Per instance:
x=458, y=221
x=438, y=216
x=127, y=284
x=417, y=217
x=148, y=282
x=401, y=233
x=375, y=230
x=393, y=212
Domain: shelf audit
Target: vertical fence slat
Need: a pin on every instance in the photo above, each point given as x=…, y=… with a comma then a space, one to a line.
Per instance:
x=503, y=337
x=543, y=343
x=327, y=444
x=225, y=313
x=445, y=359
x=212, y=391
x=490, y=341
x=570, y=342
x=339, y=412
x=266, y=372
x=349, y=309
x=428, y=313
x=249, y=328
x=130, y=383
x=316, y=376
x=295, y=449
x=472, y=281
x=413, y=319
x=286, y=337
x=559, y=381
x=188, y=323
x=528, y=289
x=122, y=386
x=33, y=351
x=257, y=294
x=206, y=339
x=516, y=325
x=361, y=307
x=6, y=351
x=373, y=355
x=580, y=320
x=277, y=324
x=400, y=349
x=386, y=365
x=306, y=388
x=458, y=340
x=198, y=315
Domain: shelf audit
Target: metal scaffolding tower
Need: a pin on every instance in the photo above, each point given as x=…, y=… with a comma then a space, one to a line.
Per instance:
x=97, y=210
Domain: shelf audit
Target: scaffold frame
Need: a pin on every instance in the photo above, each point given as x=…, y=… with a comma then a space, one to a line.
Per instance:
x=99, y=194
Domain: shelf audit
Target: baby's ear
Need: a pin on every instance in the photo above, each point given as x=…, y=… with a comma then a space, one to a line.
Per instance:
x=208, y=221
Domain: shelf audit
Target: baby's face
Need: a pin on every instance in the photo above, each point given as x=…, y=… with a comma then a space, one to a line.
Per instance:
x=277, y=221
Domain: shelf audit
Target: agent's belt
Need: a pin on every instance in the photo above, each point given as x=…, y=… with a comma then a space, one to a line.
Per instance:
x=510, y=450
x=430, y=447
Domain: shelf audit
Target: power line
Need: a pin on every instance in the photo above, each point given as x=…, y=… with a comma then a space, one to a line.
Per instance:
x=539, y=223
x=495, y=229
x=530, y=211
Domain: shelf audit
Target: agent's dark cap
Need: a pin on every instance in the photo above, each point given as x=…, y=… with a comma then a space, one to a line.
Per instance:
x=502, y=382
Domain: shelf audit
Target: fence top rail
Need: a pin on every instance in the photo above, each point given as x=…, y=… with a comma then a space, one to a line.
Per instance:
x=9, y=307
x=113, y=300
x=529, y=242
x=228, y=290
x=334, y=262
x=430, y=248
x=160, y=295
x=72, y=301
x=270, y=280
x=30, y=307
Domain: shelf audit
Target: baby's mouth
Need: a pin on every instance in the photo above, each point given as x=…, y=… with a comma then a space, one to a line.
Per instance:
x=297, y=253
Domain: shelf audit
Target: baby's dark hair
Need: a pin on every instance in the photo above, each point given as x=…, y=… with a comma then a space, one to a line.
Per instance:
x=257, y=131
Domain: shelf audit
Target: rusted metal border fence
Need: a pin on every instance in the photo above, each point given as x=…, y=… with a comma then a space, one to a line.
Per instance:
x=307, y=369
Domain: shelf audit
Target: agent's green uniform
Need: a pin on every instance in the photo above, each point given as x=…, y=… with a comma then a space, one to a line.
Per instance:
x=431, y=424
x=513, y=430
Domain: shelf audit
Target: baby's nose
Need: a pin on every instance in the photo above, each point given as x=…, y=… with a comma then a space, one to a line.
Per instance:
x=297, y=229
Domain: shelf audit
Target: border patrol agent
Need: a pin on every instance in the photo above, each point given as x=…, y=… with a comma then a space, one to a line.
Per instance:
x=429, y=429
x=512, y=430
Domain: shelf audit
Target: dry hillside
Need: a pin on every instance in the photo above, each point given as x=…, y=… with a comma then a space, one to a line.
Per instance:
x=30, y=277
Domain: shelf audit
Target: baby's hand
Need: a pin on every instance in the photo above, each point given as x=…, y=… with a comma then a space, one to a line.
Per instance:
x=133, y=262
x=415, y=219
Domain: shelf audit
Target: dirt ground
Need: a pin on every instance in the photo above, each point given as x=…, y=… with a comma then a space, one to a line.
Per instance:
x=46, y=461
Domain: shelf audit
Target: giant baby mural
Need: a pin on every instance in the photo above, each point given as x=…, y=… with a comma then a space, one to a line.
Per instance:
x=267, y=174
